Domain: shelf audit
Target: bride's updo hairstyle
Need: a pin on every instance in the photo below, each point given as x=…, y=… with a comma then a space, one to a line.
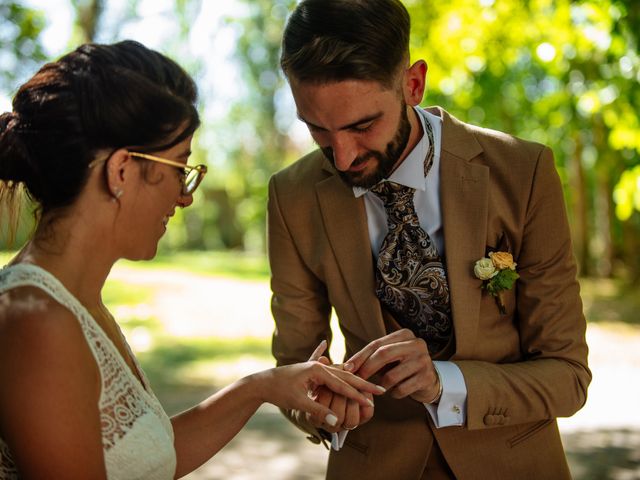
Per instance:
x=94, y=98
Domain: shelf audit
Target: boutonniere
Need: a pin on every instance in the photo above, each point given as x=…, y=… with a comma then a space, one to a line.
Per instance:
x=498, y=273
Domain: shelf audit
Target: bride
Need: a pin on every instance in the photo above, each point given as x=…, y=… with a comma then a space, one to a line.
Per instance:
x=100, y=141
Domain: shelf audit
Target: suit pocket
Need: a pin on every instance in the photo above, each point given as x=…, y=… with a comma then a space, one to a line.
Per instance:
x=528, y=433
x=363, y=449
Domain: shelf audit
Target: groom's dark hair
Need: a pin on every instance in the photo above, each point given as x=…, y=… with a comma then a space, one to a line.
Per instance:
x=333, y=40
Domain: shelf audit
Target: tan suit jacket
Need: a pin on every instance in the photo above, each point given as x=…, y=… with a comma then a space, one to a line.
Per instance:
x=522, y=369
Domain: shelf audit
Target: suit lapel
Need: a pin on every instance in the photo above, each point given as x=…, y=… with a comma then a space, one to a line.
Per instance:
x=345, y=221
x=464, y=195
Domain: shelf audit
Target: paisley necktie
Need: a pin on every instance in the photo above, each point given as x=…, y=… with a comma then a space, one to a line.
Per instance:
x=410, y=278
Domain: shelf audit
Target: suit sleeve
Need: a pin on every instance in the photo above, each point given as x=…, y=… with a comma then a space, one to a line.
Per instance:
x=299, y=302
x=552, y=377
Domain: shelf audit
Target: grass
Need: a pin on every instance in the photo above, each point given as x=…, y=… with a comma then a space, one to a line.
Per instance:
x=610, y=301
x=184, y=372
x=241, y=265
x=116, y=293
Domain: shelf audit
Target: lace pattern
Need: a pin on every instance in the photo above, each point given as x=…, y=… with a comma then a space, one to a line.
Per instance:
x=137, y=435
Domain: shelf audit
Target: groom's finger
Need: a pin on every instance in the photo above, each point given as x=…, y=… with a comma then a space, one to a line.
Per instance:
x=359, y=359
x=324, y=360
x=352, y=415
x=317, y=353
x=400, y=354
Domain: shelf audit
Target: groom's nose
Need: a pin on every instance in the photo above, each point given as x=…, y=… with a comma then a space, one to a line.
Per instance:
x=345, y=151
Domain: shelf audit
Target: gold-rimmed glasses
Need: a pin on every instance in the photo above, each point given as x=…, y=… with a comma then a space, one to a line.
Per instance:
x=192, y=175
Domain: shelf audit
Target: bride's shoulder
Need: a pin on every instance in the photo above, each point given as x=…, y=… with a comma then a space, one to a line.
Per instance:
x=30, y=306
x=33, y=326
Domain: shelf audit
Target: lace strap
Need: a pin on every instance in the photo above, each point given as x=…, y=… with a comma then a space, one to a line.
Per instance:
x=29, y=275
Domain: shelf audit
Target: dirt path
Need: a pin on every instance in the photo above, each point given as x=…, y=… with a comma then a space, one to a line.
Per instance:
x=270, y=448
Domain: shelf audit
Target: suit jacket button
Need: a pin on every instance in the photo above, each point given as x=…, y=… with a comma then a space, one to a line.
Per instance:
x=489, y=420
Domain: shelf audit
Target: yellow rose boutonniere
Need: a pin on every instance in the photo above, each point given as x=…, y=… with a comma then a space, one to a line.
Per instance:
x=498, y=273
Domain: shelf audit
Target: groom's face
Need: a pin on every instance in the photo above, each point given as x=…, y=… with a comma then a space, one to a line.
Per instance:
x=362, y=127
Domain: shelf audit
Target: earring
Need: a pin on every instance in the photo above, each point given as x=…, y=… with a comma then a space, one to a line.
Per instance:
x=117, y=193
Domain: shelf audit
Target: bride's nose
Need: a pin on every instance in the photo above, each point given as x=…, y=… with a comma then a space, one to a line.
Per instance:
x=184, y=201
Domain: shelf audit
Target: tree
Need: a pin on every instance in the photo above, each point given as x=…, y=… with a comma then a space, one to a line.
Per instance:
x=20, y=47
x=561, y=72
x=20, y=55
x=88, y=14
x=256, y=135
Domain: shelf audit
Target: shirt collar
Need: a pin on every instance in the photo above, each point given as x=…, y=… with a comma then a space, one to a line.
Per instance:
x=410, y=173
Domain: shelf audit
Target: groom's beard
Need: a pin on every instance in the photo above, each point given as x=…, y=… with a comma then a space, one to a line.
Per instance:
x=386, y=161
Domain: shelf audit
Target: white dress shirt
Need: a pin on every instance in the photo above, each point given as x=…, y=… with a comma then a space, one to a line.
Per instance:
x=451, y=409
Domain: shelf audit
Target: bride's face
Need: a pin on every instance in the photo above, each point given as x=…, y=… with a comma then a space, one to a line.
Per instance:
x=157, y=194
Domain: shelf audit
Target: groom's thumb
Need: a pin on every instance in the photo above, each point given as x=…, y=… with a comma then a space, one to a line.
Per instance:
x=324, y=360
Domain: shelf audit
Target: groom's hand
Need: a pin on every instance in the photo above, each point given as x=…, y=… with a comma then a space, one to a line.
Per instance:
x=410, y=371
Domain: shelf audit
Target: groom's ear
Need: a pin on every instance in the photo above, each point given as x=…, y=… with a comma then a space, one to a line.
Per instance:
x=414, y=83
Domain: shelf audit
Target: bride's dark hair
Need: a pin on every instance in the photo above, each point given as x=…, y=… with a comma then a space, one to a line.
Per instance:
x=96, y=97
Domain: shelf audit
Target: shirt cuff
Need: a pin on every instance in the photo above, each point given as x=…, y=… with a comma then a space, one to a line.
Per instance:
x=337, y=439
x=451, y=410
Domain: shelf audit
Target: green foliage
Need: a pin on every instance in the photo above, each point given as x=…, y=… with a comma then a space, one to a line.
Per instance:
x=233, y=264
x=504, y=280
x=564, y=73
x=627, y=193
x=20, y=48
x=256, y=140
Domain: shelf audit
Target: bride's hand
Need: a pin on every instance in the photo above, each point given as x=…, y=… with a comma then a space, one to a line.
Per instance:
x=350, y=414
x=288, y=387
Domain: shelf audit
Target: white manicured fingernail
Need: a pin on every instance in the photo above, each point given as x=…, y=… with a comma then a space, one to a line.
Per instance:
x=371, y=404
x=331, y=419
x=381, y=388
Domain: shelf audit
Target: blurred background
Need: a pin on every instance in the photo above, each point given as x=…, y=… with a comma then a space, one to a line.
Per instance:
x=564, y=73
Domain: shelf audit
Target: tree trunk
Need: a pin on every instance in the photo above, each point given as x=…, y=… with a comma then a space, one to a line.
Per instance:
x=578, y=207
x=88, y=13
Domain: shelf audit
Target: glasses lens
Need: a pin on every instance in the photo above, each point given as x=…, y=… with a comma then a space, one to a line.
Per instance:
x=191, y=181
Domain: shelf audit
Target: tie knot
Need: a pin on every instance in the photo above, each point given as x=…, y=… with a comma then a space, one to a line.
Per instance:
x=393, y=194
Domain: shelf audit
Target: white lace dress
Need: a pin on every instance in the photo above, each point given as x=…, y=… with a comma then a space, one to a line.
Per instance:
x=137, y=436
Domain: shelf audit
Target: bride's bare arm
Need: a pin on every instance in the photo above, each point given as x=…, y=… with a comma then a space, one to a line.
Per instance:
x=203, y=430
x=50, y=389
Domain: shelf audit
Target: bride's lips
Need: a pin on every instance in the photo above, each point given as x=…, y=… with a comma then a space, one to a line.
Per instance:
x=166, y=218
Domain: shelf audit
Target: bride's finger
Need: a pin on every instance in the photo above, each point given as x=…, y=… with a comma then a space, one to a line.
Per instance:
x=318, y=411
x=350, y=386
x=355, y=381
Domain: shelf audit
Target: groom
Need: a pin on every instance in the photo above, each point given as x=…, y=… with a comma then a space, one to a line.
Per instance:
x=384, y=224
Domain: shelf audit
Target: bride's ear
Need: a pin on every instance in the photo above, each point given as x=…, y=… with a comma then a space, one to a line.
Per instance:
x=119, y=172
